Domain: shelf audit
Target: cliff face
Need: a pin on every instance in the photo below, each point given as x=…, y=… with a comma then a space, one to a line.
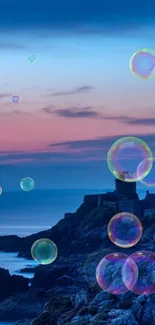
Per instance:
x=67, y=288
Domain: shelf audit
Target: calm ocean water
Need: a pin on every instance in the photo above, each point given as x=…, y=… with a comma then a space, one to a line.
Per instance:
x=14, y=264
x=6, y=323
x=25, y=213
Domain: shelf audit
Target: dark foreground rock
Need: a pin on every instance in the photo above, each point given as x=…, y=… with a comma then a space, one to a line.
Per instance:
x=10, y=284
x=19, y=306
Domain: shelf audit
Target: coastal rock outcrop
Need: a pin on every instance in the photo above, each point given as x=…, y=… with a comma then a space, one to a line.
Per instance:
x=66, y=292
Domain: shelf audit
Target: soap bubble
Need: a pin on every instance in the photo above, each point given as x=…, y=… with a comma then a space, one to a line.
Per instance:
x=109, y=273
x=90, y=265
x=32, y=58
x=124, y=230
x=142, y=63
x=149, y=180
x=44, y=251
x=1, y=190
x=27, y=184
x=143, y=265
x=124, y=157
x=15, y=99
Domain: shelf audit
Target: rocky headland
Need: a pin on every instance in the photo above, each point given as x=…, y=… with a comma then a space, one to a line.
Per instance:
x=66, y=292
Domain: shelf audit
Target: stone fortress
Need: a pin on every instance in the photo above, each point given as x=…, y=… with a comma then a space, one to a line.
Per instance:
x=125, y=199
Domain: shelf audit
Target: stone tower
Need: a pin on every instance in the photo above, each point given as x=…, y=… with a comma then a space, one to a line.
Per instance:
x=124, y=188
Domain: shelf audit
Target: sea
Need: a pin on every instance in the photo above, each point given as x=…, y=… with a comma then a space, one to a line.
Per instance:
x=23, y=213
x=6, y=323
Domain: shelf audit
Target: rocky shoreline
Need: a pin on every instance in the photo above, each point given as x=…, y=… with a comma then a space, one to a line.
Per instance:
x=65, y=292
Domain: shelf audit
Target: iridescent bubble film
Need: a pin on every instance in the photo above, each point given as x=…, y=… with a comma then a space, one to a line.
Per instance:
x=149, y=180
x=44, y=251
x=15, y=99
x=109, y=273
x=90, y=265
x=130, y=273
x=142, y=63
x=140, y=265
x=124, y=157
x=27, y=184
x=124, y=230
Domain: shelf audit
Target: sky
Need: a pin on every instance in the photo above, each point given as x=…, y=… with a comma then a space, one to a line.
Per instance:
x=78, y=96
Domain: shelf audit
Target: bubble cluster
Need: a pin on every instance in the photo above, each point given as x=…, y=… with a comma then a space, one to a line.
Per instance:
x=15, y=99
x=124, y=230
x=138, y=272
x=123, y=152
x=149, y=180
x=27, y=184
x=44, y=251
x=142, y=63
x=109, y=273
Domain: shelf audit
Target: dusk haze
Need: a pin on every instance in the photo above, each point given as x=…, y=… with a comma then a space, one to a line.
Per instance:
x=77, y=162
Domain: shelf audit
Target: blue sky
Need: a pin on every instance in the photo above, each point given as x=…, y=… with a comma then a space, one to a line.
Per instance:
x=78, y=96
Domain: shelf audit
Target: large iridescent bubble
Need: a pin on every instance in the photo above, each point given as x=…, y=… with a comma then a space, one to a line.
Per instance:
x=149, y=180
x=124, y=157
x=140, y=265
x=109, y=273
x=44, y=251
x=27, y=184
x=90, y=265
x=142, y=63
x=124, y=230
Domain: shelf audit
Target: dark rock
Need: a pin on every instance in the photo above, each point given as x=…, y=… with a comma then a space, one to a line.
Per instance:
x=83, y=311
x=126, y=304
x=48, y=275
x=100, y=318
x=45, y=318
x=65, y=280
x=10, y=284
x=121, y=317
x=57, y=304
x=102, y=297
x=27, y=305
x=92, y=310
x=10, y=243
x=81, y=298
x=23, y=322
x=28, y=270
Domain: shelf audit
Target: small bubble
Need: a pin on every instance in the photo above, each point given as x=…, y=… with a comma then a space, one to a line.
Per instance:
x=27, y=184
x=32, y=58
x=44, y=251
x=15, y=99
